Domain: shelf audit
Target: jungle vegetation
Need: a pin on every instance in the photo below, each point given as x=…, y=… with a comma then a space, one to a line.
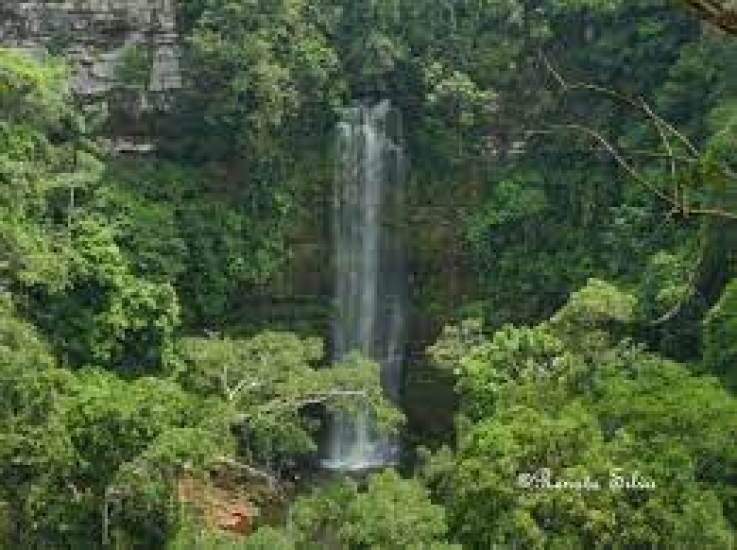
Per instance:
x=572, y=233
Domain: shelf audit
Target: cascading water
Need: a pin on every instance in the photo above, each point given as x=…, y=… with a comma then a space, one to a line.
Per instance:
x=370, y=277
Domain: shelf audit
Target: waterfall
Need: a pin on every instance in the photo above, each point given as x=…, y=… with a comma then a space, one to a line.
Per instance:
x=369, y=271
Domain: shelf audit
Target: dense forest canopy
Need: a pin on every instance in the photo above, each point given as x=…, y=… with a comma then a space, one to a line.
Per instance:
x=571, y=234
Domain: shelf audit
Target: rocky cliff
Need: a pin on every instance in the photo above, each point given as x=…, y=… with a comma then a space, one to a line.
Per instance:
x=99, y=38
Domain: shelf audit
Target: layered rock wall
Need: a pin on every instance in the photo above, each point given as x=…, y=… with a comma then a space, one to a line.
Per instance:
x=97, y=37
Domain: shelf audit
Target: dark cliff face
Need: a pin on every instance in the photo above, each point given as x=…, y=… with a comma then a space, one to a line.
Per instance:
x=101, y=39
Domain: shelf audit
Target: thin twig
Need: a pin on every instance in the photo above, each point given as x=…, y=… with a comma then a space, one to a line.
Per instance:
x=665, y=131
x=666, y=144
x=636, y=102
x=675, y=310
x=615, y=155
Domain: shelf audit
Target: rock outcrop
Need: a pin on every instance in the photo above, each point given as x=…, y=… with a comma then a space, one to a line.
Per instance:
x=99, y=37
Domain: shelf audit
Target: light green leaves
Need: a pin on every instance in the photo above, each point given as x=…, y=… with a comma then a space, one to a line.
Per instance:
x=390, y=513
x=269, y=380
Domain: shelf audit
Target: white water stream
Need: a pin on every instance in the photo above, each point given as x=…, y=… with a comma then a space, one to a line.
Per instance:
x=370, y=275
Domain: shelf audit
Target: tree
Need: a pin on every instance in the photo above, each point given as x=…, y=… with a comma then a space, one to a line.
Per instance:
x=69, y=438
x=569, y=402
x=250, y=87
x=78, y=444
x=271, y=380
x=60, y=253
x=390, y=513
x=720, y=336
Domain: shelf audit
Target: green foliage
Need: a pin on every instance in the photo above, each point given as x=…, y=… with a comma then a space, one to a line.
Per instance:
x=174, y=224
x=34, y=170
x=67, y=439
x=226, y=250
x=31, y=92
x=390, y=513
x=106, y=315
x=264, y=538
x=147, y=229
x=597, y=304
x=593, y=315
x=258, y=66
x=664, y=285
x=721, y=143
x=720, y=336
x=512, y=202
x=30, y=446
x=539, y=409
x=135, y=67
x=512, y=354
x=377, y=524
x=72, y=441
x=105, y=397
x=267, y=538
x=454, y=343
x=457, y=109
x=60, y=255
x=21, y=347
x=269, y=380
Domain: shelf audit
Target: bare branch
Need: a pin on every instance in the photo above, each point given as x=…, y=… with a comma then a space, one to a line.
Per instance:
x=719, y=13
x=666, y=144
x=687, y=154
x=318, y=399
x=244, y=385
x=637, y=103
x=666, y=132
x=615, y=155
